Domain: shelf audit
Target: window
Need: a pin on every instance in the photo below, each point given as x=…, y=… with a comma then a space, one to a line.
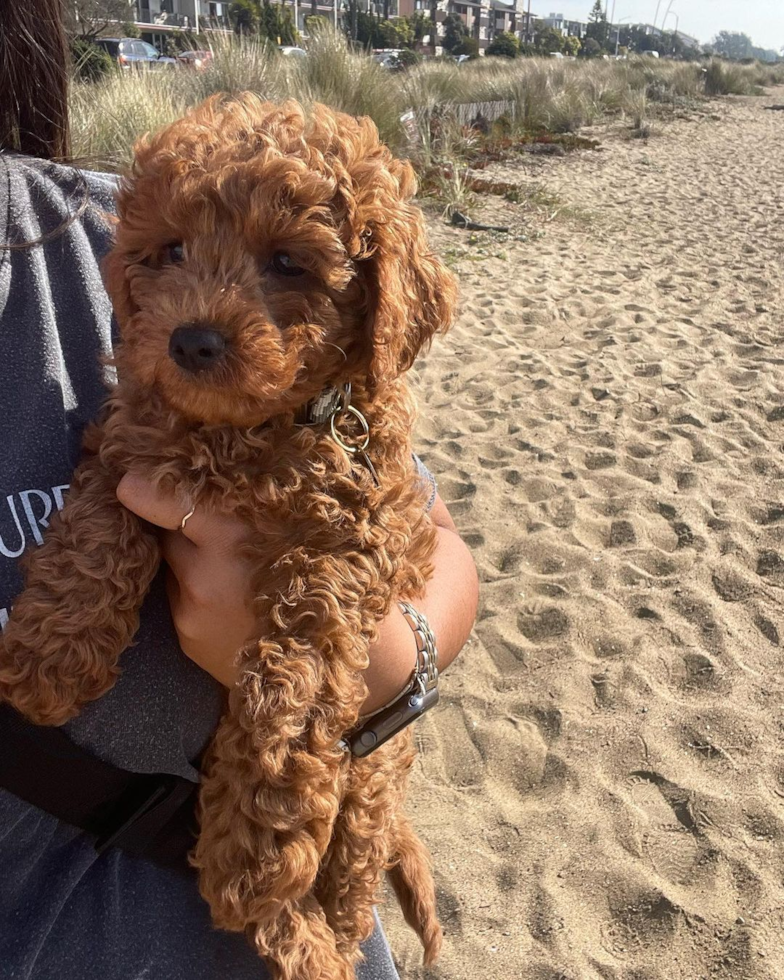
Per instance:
x=110, y=47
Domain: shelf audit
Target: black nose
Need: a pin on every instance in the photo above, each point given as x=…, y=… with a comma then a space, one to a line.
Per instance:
x=196, y=348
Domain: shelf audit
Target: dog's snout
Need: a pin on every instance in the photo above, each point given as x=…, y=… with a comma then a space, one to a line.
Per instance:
x=197, y=347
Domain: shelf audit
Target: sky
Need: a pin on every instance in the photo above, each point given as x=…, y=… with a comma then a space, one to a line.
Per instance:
x=762, y=20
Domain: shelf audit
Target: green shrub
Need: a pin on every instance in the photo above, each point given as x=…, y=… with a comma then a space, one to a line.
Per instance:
x=504, y=45
x=314, y=23
x=408, y=58
x=469, y=46
x=388, y=35
x=591, y=48
x=89, y=61
x=129, y=29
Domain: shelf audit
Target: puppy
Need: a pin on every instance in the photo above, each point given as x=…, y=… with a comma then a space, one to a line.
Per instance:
x=263, y=258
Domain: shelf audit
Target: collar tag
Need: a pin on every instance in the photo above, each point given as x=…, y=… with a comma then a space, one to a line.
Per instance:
x=324, y=406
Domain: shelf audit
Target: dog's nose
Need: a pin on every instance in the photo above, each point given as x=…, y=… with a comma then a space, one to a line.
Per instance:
x=196, y=347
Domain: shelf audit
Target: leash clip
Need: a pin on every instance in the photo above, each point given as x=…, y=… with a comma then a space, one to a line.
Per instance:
x=346, y=408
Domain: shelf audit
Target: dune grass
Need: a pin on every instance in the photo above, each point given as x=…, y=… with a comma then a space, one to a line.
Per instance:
x=546, y=95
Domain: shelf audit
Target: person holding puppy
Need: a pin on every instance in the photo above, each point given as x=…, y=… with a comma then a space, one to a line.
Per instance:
x=69, y=909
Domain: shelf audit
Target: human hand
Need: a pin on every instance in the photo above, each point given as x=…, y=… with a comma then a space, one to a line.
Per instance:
x=211, y=601
x=207, y=583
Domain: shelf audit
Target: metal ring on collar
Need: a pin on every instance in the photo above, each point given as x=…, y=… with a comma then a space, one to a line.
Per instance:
x=350, y=410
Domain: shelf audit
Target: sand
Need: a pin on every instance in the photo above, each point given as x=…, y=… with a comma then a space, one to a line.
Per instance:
x=602, y=786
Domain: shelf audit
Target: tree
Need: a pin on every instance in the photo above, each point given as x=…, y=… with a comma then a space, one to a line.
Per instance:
x=764, y=54
x=454, y=32
x=244, y=15
x=89, y=18
x=393, y=34
x=504, y=45
x=598, y=28
x=591, y=48
x=636, y=39
x=733, y=45
x=353, y=18
x=548, y=40
x=649, y=42
x=420, y=24
x=571, y=46
x=277, y=24
x=265, y=19
x=365, y=30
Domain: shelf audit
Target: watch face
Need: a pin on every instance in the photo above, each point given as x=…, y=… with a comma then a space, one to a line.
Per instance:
x=387, y=723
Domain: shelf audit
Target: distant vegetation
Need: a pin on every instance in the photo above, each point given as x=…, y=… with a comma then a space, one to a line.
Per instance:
x=543, y=95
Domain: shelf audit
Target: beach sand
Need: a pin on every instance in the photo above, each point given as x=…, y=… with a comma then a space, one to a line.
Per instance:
x=602, y=785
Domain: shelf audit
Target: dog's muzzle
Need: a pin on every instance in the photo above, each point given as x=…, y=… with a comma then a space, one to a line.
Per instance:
x=197, y=347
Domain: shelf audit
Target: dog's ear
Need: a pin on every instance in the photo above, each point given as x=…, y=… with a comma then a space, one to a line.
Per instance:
x=113, y=270
x=412, y=295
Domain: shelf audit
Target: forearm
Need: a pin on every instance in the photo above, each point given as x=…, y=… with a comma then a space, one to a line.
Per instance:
x=450, y=604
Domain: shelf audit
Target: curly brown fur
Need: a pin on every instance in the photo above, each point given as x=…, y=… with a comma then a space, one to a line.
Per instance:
x=295, y=834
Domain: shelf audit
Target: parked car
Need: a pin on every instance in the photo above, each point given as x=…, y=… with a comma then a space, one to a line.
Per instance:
x=130, y=52
x=388, y=58
x=198, y=60
x=289, y=51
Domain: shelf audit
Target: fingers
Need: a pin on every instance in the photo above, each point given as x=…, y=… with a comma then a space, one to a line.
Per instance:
x=204, y=528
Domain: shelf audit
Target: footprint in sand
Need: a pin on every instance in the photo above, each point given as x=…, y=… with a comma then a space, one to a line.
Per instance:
x=640, y=921
x=666, y=823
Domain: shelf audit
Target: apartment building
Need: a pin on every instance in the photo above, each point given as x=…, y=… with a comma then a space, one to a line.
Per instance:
x=164, y=16
x=483, y=18
x=183, y=14
x=569, y=28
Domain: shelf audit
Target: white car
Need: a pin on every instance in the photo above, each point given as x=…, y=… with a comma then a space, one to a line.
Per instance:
x=290, y=51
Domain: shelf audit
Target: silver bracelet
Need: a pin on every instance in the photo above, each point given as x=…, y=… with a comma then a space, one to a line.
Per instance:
x=420, y=695
x=427, y=652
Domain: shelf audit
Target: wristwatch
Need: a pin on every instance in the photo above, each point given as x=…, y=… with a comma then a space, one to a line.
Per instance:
x=420, y=695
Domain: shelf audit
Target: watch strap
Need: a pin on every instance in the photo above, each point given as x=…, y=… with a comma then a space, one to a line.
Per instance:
x=420, y=695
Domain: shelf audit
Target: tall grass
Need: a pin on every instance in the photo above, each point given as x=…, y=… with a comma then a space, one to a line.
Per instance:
x=547, y=95
x=728, y=79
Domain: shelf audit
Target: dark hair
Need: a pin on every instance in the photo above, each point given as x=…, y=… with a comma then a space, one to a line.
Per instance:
x=34, y=75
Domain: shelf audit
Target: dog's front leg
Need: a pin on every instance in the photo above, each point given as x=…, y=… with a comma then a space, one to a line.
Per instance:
x=80, y=606
x=269, y=802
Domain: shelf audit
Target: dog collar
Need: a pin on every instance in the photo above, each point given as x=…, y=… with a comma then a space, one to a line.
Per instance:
x=333, y=405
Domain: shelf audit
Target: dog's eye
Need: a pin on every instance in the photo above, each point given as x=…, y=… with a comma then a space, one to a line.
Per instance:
x=283, y=264
x=176, y=252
